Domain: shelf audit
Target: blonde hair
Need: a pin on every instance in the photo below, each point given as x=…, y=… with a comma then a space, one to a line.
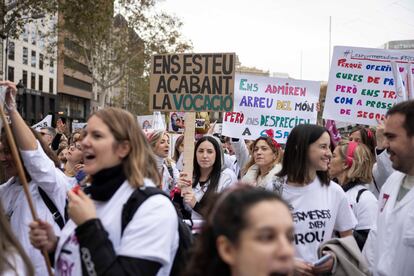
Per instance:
x=155, y=137
x=362, y=163
x=140, y=162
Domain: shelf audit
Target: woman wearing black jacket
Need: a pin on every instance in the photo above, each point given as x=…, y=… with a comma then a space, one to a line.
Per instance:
x=119, y=160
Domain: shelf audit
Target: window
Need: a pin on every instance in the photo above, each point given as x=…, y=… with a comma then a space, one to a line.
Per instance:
x=52, y=66
x=40, y=83
x=11, y=50
x=33, y=60
x=41, y=42
x=41, y=58
x=26, y=32
x=51, y=85
x=77, y=66
x=34, y=34
x=10, y=73
x=25, y=55
x=72, y=82
x=24, y=78
x=33, y=81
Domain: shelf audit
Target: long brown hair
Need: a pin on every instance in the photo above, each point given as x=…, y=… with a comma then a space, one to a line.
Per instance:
x=9, y=246
x=140, y=162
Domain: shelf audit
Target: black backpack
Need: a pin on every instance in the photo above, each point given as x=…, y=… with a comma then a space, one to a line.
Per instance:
x=185, y=236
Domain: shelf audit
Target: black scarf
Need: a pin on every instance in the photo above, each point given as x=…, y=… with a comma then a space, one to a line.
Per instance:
x=106, y=182
x=350, y=185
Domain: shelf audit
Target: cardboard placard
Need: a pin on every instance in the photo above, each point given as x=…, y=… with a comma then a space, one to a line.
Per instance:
x=262, y=103
x=363, y=85
x=192, y=82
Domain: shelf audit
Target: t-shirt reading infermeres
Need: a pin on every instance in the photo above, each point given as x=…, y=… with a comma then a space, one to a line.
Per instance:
x=317, y=211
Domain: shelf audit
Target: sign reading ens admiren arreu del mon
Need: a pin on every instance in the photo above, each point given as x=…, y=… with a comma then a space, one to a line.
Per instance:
x=362, y=86
x=192, y=82
x=263, y=103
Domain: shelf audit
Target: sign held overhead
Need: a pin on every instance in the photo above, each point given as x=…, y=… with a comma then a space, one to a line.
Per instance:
x=192, y=82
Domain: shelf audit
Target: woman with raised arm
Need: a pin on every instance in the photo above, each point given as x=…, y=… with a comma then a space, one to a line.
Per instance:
x=47, y=183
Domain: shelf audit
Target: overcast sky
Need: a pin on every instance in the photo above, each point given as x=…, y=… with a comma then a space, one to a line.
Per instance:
x=271, y=35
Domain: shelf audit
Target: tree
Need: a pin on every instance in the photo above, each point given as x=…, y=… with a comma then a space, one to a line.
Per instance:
x=117, y=49
x=11, y=15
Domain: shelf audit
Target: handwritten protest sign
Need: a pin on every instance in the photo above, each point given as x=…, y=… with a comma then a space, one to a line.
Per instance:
x=362, y=86
x=192, y=82
x=262, y=103
x=45, y=122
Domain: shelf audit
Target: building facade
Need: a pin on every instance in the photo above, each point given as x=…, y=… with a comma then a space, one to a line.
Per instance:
x=31, y=62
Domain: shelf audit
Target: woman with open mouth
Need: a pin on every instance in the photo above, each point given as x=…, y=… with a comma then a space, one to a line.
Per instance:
x=160, y=144
x=95, y=242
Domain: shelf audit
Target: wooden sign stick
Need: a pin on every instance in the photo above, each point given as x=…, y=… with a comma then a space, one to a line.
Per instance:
x=22, y=177
x=189, y=134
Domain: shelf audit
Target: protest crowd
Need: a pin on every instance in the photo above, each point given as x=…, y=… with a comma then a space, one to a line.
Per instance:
x=116, y=197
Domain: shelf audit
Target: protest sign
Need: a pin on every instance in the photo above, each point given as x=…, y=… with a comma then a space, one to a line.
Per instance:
x=362, y=85
x=145, y=122
x=176, y=122
x=78, y=126
x=262, y=103
x=192, y=82
x=45, y=122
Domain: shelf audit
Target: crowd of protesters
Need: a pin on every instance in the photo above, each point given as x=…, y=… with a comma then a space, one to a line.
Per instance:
x=111, y=201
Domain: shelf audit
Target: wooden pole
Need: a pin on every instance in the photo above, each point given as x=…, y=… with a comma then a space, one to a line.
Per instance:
x=189, y=134
x=22, y=177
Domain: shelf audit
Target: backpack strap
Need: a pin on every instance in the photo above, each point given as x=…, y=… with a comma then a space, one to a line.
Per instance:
x=57, y=216
x=359, y=194
x=134, y=201
x=169, y=167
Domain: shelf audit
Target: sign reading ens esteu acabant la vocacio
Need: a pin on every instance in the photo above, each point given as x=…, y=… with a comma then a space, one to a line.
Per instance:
x=192, y=82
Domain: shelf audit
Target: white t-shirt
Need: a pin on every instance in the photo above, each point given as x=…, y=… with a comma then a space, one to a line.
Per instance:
x=227, y=178
x=365, y=210
x=317, y=211
x=53, y=181
x=152, y=234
